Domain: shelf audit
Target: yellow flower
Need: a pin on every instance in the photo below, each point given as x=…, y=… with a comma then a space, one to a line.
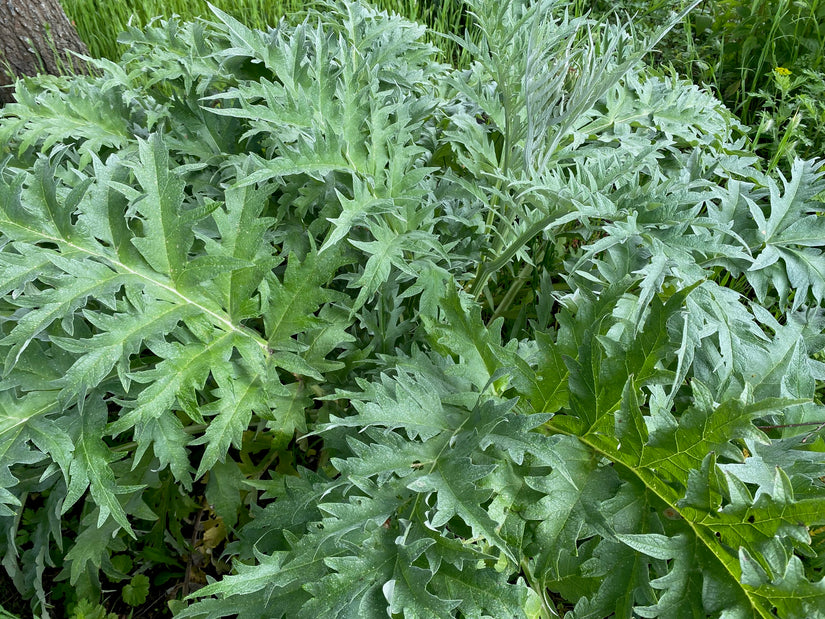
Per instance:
x=782, y=71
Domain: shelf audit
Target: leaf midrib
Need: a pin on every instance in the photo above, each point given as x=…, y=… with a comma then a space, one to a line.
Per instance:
x=222, y=321
x=670, y=498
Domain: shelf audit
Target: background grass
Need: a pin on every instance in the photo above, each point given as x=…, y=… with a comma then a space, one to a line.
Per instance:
x=765, y=59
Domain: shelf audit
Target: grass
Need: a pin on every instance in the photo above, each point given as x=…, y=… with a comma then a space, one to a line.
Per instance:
x=765, y=60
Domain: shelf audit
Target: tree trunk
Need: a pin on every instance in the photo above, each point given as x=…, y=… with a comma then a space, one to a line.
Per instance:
x=34, y=38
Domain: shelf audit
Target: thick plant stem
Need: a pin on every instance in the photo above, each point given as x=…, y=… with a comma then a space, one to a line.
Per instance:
x=548, y=610
x=488, y=268
x=514, y=289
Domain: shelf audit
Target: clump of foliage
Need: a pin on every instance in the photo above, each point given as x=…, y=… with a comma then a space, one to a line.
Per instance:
x=100, y=22
x=335, y=330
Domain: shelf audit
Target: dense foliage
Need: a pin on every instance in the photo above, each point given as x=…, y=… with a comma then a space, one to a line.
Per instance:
x=335, y=330
x=100, y=22
x=765, y=59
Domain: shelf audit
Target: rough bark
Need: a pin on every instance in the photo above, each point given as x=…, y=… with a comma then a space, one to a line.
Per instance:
x=31, y=31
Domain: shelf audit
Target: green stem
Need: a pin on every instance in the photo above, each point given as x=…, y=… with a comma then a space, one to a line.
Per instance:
x=520, y=280
x=488, y=268
x=547, y=607
x=669, y=496
x=264, y=466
